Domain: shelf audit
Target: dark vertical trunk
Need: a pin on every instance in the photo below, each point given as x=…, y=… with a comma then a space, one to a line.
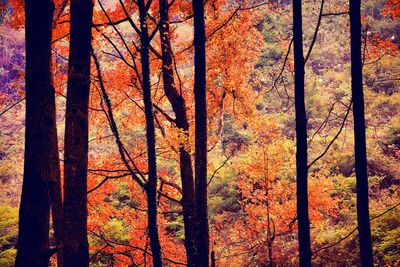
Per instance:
x=41, y=151
x=57, y=212
x=179, y=107
x=56, y=192
x=200, y=133
x=151, y=185
x=76, y=136
x=301, y=139
x=364, y=230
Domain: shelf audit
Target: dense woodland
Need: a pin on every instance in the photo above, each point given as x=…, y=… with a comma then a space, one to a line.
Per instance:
x=199, y=133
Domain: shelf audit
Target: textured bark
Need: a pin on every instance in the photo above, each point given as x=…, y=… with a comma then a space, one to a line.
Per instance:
x=76, y=136
x=301, y=139
x=200, y=133
x=41, y=166
x=151, y=185
x=363, y=219
x=185, y=162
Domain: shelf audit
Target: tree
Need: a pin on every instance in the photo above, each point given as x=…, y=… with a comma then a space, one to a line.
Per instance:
x=76, y=136
x=200, y=133
x=41, y=166
x=56, y=192
x=303, y=220
x=363, y=219
x=179, y=107
x=151, y=185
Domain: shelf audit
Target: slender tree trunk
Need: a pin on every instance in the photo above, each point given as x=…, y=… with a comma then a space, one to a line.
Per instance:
x=213, y=261
x=200, y=133
x=151, y=185
x=56, y=192
x=301, y=139
x=179, y=107
x=363, y=219
x=57, y=212
x=41, y=166
x=76, y=136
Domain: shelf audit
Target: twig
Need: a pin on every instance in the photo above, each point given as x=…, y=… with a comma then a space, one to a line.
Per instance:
x=315, y=32
x=283, y=65
x=334, y=138
x=217, y=169
x=11, y=106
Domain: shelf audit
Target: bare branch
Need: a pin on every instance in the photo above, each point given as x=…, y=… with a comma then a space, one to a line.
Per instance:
x=315, y=32
x=11, y=106
x=334, y=138
x=352, y=231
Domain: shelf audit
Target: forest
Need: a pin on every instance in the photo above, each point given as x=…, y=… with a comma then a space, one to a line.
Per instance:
x=199, y=133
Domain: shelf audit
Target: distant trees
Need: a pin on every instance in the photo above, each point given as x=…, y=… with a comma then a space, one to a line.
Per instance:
x=41, y=164
x=76, y=247
x=301, y=139
x=363, y=219
x=200, y=133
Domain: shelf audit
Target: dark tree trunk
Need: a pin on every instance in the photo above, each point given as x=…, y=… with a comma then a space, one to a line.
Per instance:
x=41, y=166
x=57, y=213
x=56, y=192
x=364, y=230
x=151, y=185
x=179, y=107
x=76, y=136
x=200, y=133
x=301, y=139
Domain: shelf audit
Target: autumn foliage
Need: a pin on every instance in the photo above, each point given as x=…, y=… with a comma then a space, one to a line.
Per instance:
x=250, y=128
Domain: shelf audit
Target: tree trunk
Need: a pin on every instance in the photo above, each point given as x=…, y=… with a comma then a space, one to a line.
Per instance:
x=76, y=136
x=200, y=133
x=151, y=185
x=364, y=230
x=301, y=139
x=56, y=192
x=41, y=166
x=179, y=107
x=57, y=212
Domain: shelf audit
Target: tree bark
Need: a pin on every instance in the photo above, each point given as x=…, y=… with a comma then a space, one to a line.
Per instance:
x=41, y=165
x=76, y=136
x=363, y=219
x=200, y=133
x=301, y=139
x=56, y=192
x=151, y=185
x=185, y=162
